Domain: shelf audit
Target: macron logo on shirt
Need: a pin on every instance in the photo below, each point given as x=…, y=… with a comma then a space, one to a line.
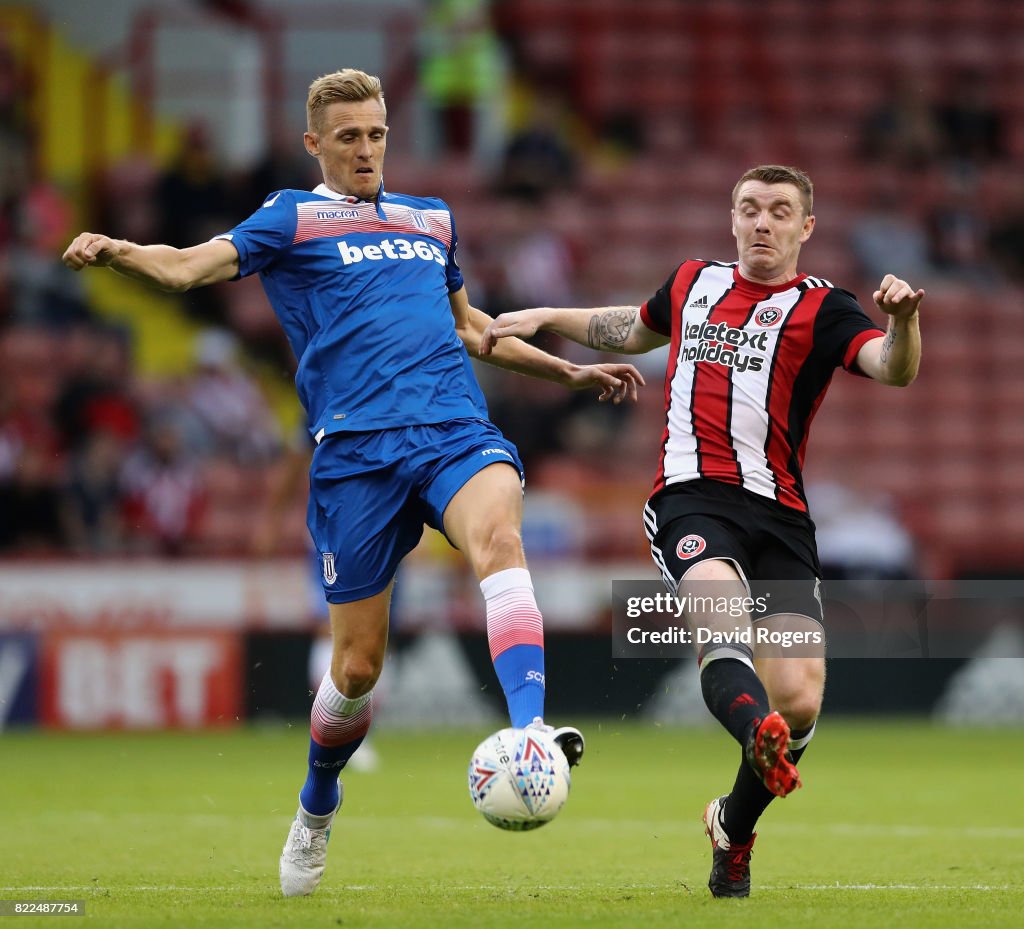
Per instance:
x=393, y=249
x=337, y=214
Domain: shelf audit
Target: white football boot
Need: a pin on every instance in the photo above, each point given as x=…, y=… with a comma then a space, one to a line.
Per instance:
x=305, y=851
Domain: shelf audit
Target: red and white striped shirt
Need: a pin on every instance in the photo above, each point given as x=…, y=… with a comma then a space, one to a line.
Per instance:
x=748, y=369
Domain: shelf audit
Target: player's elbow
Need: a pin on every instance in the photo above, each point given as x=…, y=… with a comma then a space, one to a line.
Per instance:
x=636, y=346
x=900, y=378
x=471, y=339
x=174, y=276
x=176, y=284
x=888, y=374
x=198, y=266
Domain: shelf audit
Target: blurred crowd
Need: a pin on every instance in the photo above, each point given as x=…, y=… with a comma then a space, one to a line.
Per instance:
x=100, y=457
x=95, y=456
x=946, y=201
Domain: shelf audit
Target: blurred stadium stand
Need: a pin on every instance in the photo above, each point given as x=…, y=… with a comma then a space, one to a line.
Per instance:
x=665, y=104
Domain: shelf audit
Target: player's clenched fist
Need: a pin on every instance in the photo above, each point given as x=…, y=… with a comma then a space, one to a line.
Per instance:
x=90, y=248
x=896, y=297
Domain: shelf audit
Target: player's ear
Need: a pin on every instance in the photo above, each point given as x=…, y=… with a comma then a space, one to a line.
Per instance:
x=808, y=229
x=312, y=142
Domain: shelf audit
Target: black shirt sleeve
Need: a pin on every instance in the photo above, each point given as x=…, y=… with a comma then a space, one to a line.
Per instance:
x=656, y=313
x=841, y=329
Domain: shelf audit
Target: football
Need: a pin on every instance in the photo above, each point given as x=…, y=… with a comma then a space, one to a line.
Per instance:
x=519, y=779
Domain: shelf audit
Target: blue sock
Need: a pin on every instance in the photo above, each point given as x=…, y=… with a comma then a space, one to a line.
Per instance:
x=515, y=633
x=337, y=728
x=319, y=795
x=520, y=670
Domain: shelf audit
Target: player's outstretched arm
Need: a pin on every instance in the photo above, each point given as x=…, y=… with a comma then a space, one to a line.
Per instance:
x=163, y=266
x=605, y=329
x=616, y=382
x=895, y=359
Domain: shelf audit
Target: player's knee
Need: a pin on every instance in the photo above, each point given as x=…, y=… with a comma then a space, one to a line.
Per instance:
x=354, y=675
x=502, y=548
x=800, y=706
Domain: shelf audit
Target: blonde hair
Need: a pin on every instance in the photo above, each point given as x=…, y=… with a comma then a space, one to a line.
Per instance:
x=347, y=86
x=780, y=174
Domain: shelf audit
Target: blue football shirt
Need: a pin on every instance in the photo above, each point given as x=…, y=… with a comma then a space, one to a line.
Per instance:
x=361, y=289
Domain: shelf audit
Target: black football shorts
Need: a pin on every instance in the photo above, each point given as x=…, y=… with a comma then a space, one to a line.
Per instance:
x=771, y=546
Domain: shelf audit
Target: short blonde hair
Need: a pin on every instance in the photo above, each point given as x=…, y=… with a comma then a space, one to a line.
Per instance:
x=347, y=85
x=780, y=174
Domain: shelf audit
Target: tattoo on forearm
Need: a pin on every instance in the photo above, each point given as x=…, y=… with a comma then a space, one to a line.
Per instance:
x=887, y=344
x=610, y=329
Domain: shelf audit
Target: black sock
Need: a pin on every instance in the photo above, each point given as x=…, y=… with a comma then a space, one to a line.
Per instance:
x=734, y=695
x=750, y=798
x=798, y=736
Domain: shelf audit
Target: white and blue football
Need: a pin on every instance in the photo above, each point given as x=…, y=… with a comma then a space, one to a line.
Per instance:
x=519, y=778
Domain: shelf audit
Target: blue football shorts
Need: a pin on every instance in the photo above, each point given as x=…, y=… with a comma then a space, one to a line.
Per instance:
x=370, y=494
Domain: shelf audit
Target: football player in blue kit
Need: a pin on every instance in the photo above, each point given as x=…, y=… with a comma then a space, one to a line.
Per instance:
x=366, y=285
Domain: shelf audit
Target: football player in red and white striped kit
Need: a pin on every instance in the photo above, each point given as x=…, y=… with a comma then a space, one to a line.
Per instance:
x=753, y=347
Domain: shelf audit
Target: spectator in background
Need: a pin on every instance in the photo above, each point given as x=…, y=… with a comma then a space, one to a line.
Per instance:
x=1006, y=238
x=92, y=494
x=280, y=168
x=538, y=262
x=97, y=393
x=957, y=230
x=192, y=205
x=191, y=195
x=622, y=135
x=125, y=198
x=162, y=492
x=525, y=262
x=30, y=497
x=15, y=154
x=901, y=129
x=14, y=94
x=463, y=77
x=31, y=459
x=522, y=258
x=228, y=404
x=42, y=290
x=859, y=535
x=537, y=159
x=888, y=234
x=15, y=123
x=971, y=127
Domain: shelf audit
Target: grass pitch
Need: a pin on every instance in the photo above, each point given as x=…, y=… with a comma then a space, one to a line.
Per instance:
x=898, y=825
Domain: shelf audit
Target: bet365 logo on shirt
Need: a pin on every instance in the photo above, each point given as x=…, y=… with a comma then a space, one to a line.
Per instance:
x=391, y=249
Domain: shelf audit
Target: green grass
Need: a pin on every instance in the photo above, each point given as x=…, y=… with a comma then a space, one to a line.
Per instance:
x=899, y=825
